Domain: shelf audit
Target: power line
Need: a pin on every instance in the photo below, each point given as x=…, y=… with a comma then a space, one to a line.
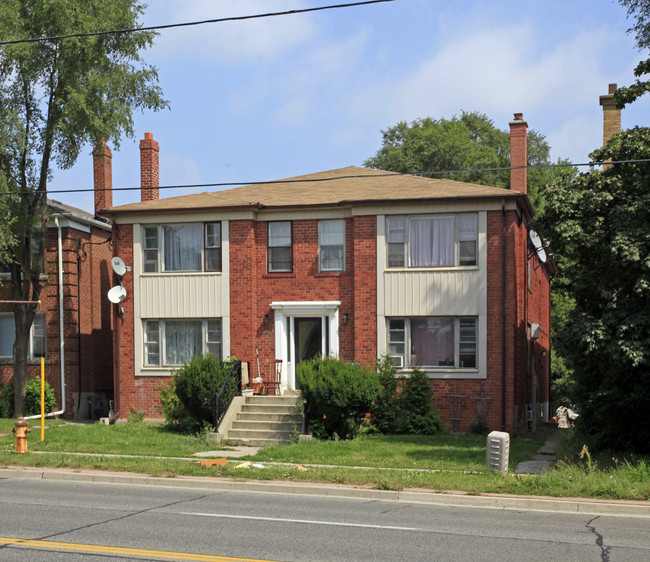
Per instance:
x=335, y=178
x=192, y=23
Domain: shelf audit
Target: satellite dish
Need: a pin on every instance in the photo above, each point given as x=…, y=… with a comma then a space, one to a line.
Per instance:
x=541, y=254
x=534, y=238
x=118, y=266
x=117, y=294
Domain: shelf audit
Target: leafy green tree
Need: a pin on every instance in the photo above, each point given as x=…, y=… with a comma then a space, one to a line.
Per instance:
x=598, y=222
x=640, y=11
x=57, y=96
x=468, y=142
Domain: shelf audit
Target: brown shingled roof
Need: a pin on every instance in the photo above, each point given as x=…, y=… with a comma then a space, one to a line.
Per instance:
x=344, y=186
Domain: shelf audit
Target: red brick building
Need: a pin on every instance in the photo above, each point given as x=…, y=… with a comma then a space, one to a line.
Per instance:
x=354, y=263
x=72, y=328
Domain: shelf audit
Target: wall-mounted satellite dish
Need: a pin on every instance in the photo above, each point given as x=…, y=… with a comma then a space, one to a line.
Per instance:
x=534, y=238
x=539, y=247
x=118, y=266
x=117, y=294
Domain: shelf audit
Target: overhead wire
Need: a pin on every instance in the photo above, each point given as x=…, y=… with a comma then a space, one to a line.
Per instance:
x=342, y=177
x=192, y=23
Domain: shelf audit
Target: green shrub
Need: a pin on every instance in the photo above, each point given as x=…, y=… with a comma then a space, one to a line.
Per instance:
x=338, y=396
x=387, y=411
x=404, y=407
x=7, y=401
x=195, y=385
x=134, y=416
x=33, y=397
x=170, y=406
x=418, y=414
x=479, y=426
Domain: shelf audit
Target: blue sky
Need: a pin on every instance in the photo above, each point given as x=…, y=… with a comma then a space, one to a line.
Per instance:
x=278, y=97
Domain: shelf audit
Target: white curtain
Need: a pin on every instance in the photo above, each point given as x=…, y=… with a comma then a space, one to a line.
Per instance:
x=183, y=244
x=183, y=339
x=431, y=242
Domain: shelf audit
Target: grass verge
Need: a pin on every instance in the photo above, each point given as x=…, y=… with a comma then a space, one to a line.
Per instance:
x=441, y=462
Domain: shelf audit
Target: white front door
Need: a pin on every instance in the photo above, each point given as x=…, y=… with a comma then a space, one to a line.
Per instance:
x=303, y=330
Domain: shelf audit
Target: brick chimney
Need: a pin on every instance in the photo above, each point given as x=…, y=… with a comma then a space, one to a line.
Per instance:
x=103, y=177
x=149, y=177
x=519, y=154
x=611, y=115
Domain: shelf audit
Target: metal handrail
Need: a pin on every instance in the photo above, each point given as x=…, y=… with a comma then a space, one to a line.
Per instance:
x=219, y=408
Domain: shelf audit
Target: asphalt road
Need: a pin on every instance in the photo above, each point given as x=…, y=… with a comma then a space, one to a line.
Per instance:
x=51, y=520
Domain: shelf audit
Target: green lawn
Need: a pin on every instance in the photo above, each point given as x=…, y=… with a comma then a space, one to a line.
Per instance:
x=440, y=462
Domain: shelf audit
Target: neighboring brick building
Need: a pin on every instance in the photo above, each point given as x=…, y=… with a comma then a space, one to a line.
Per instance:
x=76, y=284
x=353, y=263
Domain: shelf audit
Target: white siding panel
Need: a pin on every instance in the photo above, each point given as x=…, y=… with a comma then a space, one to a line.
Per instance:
x=181, y=296
x=415, y=293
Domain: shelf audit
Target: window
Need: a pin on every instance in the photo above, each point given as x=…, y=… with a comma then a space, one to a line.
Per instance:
x=425, y=241
x=213, y=246
x=279, y=251
x=170, y=343
x=331, y=245
x=182, y=247
x=37, y=337
x=433, y=341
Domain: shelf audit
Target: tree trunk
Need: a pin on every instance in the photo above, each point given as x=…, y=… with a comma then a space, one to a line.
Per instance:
x=21, y=351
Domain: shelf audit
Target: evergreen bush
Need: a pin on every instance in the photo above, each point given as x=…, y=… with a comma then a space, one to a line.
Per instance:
x=7, y=401
x=404, y=407
x=387, y=411
x=195, y=385
x=338, y=395
x=418, y=414
x=33, y=397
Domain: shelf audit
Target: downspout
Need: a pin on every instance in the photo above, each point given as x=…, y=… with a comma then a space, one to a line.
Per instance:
x=61, y=334
x=79, y=247
x=503, y=323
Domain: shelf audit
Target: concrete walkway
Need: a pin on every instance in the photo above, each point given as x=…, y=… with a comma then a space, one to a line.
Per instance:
x=544, y=458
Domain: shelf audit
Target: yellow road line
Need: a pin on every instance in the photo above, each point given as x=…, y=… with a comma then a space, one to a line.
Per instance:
x=119, y=550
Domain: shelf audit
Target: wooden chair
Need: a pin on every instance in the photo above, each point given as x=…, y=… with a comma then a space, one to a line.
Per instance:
x=272, y=377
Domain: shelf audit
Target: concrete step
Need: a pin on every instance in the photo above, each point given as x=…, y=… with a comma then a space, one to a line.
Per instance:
x=258, y=442
x=266, y=417
x=239, y=434
x=264, y=424
x=267, y=408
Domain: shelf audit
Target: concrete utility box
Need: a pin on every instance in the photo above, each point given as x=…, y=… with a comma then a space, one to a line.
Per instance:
x=498, y=451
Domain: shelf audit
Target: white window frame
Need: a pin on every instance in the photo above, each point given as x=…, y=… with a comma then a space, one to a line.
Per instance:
x=399, y=236
x=322, y=255
x=39, y=323
x=275, y=241
x=401, y=339
x=153, y=244
x=211, y=337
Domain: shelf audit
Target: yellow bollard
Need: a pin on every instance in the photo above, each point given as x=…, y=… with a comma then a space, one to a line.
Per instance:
x=21, y=430
x=42, y=399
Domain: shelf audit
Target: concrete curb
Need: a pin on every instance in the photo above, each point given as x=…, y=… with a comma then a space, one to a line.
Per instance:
x=487, y=501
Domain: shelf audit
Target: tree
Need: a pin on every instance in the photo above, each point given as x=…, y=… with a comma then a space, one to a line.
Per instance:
x=598, y=222
x=468, y=142
x=640, y=11
x=57, y=96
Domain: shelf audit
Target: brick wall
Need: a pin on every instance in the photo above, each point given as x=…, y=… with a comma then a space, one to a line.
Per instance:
x=86, y=319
